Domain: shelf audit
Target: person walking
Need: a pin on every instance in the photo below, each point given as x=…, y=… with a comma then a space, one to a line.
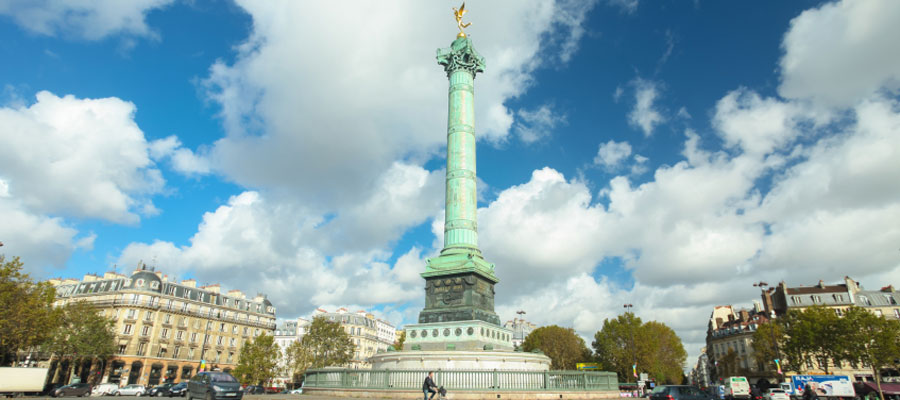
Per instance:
x=429, y=386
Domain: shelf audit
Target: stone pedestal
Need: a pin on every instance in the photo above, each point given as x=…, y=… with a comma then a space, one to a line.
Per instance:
x=469, y=335
x=460, y=360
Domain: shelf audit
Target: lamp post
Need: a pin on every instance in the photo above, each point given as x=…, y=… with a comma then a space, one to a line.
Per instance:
x=762, y=287
x=633, y=350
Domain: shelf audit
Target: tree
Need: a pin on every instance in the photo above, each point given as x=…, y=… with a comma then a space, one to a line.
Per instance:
x=82, y=333
x=874, y=341
x=297, y=361
x=765, y=338
x=654, y=347
x=817, y=333
x=401, y=338
x=326, y=344
x=615, y=344
x=666, y=354
x=27, y=316
x=258, y=361
x=562, y=345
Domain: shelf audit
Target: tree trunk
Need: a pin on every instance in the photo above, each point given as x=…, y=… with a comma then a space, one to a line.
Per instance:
x=878, y=381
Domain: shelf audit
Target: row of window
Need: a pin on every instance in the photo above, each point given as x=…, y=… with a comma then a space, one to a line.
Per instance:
x=816, y=299
x=162, y=352
x=132, y=314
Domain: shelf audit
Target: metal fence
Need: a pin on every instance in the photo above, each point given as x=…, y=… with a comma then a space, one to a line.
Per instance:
x=480, y=380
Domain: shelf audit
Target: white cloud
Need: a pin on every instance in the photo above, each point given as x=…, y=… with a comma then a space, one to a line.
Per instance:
x=44, y=243
x=354, y=111
x=701, y=231
x=84, y=158
x=760, y=126
x=258, y=244
x=183, y=160
x=90, y=20
x=644, y=115
x=842, y=52
x=537, y=124
x=611, y=154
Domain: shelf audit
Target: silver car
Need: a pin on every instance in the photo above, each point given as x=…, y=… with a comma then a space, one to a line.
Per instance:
x=131, y=390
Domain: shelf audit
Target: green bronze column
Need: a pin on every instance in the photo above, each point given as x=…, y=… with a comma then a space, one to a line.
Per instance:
x=459, y=284
x=461, y=62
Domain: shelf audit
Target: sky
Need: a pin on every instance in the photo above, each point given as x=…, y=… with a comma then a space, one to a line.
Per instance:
x=666, y=154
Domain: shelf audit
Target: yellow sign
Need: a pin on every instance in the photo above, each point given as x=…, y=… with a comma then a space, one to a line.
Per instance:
x=586, y=366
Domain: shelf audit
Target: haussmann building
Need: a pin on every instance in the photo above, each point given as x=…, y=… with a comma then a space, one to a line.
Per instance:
x=165, y=330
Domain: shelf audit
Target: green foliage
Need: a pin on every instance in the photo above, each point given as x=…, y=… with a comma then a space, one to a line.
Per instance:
x=401, y=338
x=27, y=316
x=325, y=345
x=82, y=332
x=654, y=346
x=562, y=345
x=874, y=340
x=765, y=338
x=818, y=333
x=258, y=361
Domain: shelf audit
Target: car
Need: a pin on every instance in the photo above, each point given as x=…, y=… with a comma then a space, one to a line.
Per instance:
x=131, y=390
x=296, y=391
x=254, y=389
x=178, y=390
x=160, y=390
x=776, y=394
x=678, y=392
x=104, y=389
x=211, y=385
x=76, y=389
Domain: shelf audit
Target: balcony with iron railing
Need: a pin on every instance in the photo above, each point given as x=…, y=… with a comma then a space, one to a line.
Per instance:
x=155, y=305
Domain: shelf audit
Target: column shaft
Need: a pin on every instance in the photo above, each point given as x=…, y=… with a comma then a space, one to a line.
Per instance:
x=460, y=221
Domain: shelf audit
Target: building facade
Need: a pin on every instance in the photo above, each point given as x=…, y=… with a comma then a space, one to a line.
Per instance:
x=287, y=333
x=365, y=331
x=166, y=331
x=520, y=328
x=730, y=334
x=729, y=345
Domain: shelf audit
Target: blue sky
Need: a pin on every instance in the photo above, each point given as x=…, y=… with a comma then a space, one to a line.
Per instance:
x=665, y=154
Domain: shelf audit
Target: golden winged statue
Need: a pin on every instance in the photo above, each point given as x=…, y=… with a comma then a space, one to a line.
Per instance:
x=459, y=16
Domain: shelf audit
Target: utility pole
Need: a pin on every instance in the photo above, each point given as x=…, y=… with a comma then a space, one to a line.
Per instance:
x=762, y=287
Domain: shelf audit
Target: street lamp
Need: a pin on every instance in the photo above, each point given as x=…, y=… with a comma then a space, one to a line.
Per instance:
x=762, y=287
x=628, y=308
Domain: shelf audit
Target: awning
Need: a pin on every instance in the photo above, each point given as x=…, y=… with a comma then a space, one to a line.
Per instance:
x=887, y=388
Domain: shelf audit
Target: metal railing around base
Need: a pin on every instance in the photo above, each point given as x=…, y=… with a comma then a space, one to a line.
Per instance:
x=480, y=380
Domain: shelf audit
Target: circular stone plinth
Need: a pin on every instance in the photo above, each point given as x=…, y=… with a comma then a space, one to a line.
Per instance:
x=461, y=360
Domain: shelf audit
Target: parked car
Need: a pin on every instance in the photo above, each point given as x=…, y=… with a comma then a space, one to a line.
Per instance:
x=179, y=390
x=104, y=389
x=76, y=389
x=160, y=390
x=131, y=390
x=214, y=385
x=254, y=389
x=776, y=394
x=678, y=392
x=296, y=391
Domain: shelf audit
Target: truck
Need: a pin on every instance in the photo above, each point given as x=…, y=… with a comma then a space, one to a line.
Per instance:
x=737, y=387
x=18, y=381
x=824, y=386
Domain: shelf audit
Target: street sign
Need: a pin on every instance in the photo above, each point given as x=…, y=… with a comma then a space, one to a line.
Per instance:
x=587, y=366
x=644, y=376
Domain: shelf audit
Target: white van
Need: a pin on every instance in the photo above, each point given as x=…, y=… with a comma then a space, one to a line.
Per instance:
x=737, y=387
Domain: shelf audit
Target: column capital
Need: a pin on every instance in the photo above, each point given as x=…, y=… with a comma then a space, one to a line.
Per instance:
x=461, y=55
